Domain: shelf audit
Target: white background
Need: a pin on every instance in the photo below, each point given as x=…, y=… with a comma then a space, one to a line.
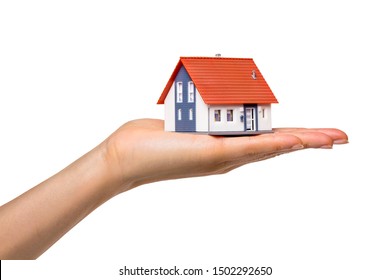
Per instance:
x=71, y=72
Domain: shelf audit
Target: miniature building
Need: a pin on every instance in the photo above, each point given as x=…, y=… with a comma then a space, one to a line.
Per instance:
x=217, y=95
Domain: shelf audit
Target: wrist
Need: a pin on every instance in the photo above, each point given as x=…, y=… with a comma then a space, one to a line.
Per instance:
x=117, y=170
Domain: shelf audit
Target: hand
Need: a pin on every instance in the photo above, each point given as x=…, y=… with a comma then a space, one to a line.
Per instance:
x=144, y=152
x=137, y=153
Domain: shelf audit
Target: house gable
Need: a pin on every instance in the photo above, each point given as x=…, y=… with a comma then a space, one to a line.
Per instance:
x=185, y=113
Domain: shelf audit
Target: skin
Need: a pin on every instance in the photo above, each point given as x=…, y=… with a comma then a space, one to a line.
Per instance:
x=138, y=153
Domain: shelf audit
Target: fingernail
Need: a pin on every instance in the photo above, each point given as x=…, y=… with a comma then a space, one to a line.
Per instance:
x=340, y=141
x=297, y=147
x=326, y=147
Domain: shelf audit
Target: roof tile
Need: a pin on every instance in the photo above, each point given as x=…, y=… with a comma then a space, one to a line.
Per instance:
x=221, y=80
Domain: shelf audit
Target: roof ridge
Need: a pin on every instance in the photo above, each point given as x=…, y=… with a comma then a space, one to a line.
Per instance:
x=215, y=57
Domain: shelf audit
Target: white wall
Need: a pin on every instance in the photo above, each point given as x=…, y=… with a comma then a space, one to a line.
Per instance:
x=264, y=123
x=202, y=121
x=169, y=104
x=224, y=125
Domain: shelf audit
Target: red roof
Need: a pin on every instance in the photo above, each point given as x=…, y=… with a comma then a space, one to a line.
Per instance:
x=221, y=80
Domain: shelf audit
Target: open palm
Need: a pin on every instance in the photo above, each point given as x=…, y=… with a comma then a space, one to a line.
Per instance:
x=146, y=153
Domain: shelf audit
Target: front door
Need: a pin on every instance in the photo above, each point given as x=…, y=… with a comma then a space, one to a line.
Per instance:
x=250, y=118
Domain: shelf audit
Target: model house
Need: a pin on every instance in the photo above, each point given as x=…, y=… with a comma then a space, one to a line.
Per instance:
x=217, y=95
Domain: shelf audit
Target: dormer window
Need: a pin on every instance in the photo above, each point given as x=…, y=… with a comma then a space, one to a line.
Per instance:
x=254, y=75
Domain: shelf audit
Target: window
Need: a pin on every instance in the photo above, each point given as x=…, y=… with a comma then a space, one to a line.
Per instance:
x=179, y=92
x=179, y=115
x=217, y=115
x=263, y=113
x=190, y=92
x=190, y=114
x=229, y=115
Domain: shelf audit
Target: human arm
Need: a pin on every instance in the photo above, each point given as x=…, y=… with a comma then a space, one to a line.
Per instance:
x=137, y=153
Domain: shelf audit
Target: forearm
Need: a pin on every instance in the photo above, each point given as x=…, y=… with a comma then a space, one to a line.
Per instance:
x=34, y=221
